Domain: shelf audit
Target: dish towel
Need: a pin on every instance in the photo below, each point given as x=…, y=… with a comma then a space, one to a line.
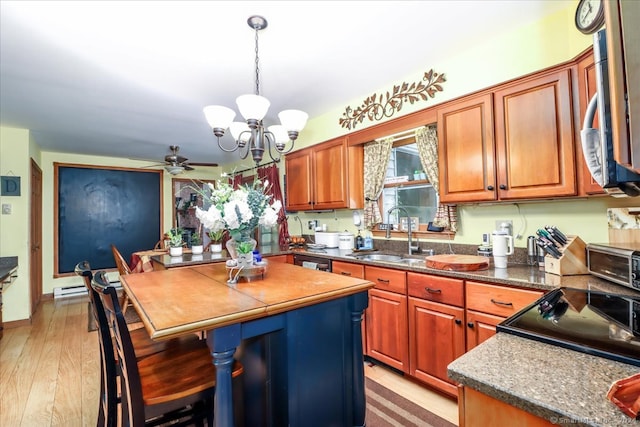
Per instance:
x=309, y=264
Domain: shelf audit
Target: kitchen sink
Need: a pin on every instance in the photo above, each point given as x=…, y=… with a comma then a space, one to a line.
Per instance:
x=379, y=257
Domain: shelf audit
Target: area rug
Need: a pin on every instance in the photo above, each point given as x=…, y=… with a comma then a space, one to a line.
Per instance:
x=388, y=409
x=131, y=316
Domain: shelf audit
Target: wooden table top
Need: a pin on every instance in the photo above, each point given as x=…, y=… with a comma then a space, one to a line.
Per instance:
x=180, y=301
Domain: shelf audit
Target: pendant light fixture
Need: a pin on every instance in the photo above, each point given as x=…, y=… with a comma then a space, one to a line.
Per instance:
x=250, y=135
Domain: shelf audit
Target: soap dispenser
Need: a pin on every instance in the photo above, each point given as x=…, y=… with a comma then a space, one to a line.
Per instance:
x=359, y=241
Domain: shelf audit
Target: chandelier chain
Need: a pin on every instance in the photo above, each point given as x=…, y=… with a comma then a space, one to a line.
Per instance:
x=257, y=66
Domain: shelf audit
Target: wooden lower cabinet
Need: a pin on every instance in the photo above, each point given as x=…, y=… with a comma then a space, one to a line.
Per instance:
x=436, y=338
x=479, y=410
x=279, y=258
x=487, y=305
x=480, y=327
x=387, y=335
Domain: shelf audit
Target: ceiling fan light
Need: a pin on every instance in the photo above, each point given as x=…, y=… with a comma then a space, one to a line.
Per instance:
x=253, y=106
x=240, y=131
x=280, y=134
x=293, y=120
x=219, y=117
x=174, y=170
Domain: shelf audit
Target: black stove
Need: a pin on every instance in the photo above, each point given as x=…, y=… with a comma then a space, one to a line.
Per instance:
x=593, y=322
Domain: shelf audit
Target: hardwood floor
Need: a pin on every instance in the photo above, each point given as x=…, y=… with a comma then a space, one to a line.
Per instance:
x=49, y=372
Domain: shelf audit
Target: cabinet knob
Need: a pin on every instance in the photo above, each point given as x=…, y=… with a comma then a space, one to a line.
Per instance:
x=458, y=322
x=470, y=324
x=345, y=273
x=503, y=187
x=383, y=280
x=490, y=188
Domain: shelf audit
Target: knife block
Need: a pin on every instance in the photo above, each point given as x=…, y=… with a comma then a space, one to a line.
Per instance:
x=573, y=261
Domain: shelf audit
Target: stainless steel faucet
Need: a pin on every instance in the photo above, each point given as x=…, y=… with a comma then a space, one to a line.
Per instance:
x=388, y=235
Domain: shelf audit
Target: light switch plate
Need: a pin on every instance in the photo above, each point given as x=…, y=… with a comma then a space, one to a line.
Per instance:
x=6, y=209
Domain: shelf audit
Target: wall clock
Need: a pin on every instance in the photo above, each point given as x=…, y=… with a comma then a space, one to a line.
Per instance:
x=589, y=16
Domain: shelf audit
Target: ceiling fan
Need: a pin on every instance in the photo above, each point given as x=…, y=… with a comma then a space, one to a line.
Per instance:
x=176, y=164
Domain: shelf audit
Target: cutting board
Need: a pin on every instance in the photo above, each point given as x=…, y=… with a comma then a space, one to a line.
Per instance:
x=457, y=262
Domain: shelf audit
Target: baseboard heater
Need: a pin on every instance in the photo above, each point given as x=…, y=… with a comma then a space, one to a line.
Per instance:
x=73, y=291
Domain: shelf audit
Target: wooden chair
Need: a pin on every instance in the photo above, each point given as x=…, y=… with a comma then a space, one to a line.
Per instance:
x=123, y=269
x=163, y=387
x=109, y=367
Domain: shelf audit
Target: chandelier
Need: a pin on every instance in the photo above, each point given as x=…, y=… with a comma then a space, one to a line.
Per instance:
x=251, y=135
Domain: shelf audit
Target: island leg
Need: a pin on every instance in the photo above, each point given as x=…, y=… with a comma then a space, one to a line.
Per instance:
x=223, y=342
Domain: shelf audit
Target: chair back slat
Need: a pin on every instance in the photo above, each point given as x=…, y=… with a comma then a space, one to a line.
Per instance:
x=132, y=401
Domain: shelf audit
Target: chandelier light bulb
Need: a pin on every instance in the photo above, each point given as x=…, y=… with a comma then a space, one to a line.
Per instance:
x=253, y=107
x=219, y=118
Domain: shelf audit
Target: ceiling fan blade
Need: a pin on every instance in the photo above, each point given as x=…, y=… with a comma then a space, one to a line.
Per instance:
x=174, y=158
x=202, y=164
x=187, y=167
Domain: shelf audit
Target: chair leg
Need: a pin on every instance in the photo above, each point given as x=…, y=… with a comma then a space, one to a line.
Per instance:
x=125, y=303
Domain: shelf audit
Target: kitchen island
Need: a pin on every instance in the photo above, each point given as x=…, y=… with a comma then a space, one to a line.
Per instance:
x=297, y=333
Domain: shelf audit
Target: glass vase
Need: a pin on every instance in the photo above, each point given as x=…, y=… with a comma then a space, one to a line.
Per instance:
x=244, y=259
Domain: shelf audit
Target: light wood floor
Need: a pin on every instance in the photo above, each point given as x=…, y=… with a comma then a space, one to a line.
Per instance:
x=49, y=372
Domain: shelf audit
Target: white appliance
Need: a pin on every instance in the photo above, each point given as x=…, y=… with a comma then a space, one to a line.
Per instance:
x=612, y=153
x=330, y=240
x=345, y=241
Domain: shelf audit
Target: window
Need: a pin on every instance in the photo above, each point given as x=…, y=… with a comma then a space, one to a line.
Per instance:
x=407, y=186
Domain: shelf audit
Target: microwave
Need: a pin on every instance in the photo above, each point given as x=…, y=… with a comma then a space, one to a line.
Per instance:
x=619, y=264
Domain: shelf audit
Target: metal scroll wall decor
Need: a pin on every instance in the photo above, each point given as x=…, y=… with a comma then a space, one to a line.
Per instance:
x=376, y=107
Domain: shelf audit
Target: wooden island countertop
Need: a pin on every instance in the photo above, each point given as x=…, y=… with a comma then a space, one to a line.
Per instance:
x=179, y=301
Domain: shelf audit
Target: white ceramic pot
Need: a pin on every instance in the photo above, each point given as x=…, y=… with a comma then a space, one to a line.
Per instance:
x=197, y=249
x=215, y=247
x=175, y=251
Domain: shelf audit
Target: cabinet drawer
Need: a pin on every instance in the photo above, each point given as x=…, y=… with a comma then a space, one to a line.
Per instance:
x=387, y=279
x=435, y=288
x=498, y=300
x=348, y=269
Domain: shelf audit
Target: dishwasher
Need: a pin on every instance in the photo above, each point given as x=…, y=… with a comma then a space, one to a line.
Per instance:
x=323, y=264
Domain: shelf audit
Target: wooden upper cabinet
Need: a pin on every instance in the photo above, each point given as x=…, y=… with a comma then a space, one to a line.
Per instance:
x=466, y=150
x=586, y=77
x=298, y=180
x=317, y=177
x=534, y=136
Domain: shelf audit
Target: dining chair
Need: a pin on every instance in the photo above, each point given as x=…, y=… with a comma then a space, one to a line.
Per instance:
x=173, y=385
x=109, y=367
x=123, y=269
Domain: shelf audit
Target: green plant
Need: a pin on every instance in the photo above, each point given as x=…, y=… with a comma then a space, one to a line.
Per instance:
x=175, y=237
x=196, y=239
x=245, y=247
x=216, y=236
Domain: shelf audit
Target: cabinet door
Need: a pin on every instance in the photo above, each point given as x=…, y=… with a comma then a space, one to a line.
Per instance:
x=586, y=89
x=534, y=138
x=330, y=175
x=436, y=338
x=466, y=151
x=387, y=332
x=480, y=327
x=298, y=180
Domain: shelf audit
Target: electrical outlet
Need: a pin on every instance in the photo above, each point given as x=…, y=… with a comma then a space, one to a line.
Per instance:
x=6, y=209
x=313, y=224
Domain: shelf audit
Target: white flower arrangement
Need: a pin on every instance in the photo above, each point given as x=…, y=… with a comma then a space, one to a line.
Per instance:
x=239, y=211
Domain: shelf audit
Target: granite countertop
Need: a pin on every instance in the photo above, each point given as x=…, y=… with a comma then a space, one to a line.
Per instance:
x=563, y=386
x=8, y=264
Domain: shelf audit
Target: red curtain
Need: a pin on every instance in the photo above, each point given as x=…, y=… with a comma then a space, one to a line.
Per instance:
x=271, y=174
x=236, y=181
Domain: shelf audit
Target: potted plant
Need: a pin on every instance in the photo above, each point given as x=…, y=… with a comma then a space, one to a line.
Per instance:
x=216, y=240
x=196, y=244
x=175, y=241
